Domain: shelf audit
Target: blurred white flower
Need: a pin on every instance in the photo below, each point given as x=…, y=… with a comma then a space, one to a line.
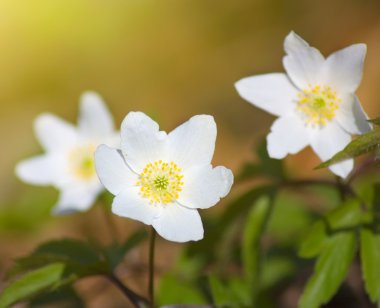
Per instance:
x=315, y=101
x=162, y=179
x=68, y=163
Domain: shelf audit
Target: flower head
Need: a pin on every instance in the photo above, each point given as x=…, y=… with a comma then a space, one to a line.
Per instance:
x=68, y=163
x=162, y=179
x=315, y=101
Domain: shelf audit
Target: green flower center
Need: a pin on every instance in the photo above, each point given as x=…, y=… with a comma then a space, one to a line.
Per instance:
x=81, y=162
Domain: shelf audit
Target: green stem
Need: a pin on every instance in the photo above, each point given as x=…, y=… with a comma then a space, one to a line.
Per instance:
x=137, y=300
x=151, y=266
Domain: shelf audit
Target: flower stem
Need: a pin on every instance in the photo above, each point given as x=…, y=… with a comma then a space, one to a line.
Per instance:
x=137, y=300
x=151, y=266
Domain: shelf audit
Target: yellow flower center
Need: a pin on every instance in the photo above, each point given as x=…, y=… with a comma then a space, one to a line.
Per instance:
x=318, y=104
x=81, y=160
x=161, y=182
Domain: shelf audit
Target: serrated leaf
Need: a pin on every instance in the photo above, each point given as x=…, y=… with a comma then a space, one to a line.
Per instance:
x=31, y=284
x=330, y=270
x=363, y=144
x=370, y=259
x=254, y=227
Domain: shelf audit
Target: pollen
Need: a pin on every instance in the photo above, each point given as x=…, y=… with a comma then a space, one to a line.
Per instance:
x=161, y=182
x=318, y=104
x=81, y=162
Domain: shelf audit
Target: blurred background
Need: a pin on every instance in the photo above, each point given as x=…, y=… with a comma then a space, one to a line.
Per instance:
x=170, y=59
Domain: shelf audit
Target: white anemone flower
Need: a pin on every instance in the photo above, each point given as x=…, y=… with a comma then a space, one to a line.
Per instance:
x=315, y=101
x=162, y=179
x=68, y=163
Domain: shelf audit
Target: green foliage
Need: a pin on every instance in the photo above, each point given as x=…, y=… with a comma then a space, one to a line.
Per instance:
x=330, y=270
x=375, y=121
x=55, y=265
x=251, y=247
x=370, y=258
x=32, y=283
x=366, y=143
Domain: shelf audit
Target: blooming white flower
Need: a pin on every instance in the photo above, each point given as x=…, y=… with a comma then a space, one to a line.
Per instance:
x=315, y=101
x=161, y=179
x=68, y=163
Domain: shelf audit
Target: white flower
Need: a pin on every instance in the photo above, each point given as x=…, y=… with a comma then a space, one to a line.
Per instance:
x=315, y=101
x=68, y=163
x=162, y=179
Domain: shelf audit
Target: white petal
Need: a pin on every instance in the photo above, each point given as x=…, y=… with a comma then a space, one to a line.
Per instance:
x=273, y=93
x=53, y=133
x=204, y=186
x=328, y=141
x=131, y=205
x=112, y=169
x=95, y=120
x=193, y=142
x=141, y=141
x=343, y=69
x=36, y=170
x=351, y=115
x=179, y=224
x=303, y=63
x=288, y=135
x=76, y=199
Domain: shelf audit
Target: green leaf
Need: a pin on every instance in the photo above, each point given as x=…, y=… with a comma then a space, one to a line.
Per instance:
x=348, y=215
x=313, y=243
x=375, y=121
x=370, y=258
x=254, y=228
x=65, y=297
x=221, y=294
x=174, y=290
x=77, y=256
x=31, y=284
x=369, y=142
x=330, y=270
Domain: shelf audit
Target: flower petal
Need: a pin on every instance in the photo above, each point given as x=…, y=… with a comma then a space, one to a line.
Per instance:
x=193, y=142
x=112, y=169
x=343, y=70
x=76, y=199
x=95, y=120
x=328, y=141
x=37, y=170
x=288, y=135
x=53, y=133
x=131, y=205
x=273, y=93
x=303, y=63
x=351, y=115
x=179, y=224
x=204, y=186
x=141, y=141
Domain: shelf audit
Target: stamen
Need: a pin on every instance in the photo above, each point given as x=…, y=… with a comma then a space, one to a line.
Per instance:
x=318, y=104
x=161, y=182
